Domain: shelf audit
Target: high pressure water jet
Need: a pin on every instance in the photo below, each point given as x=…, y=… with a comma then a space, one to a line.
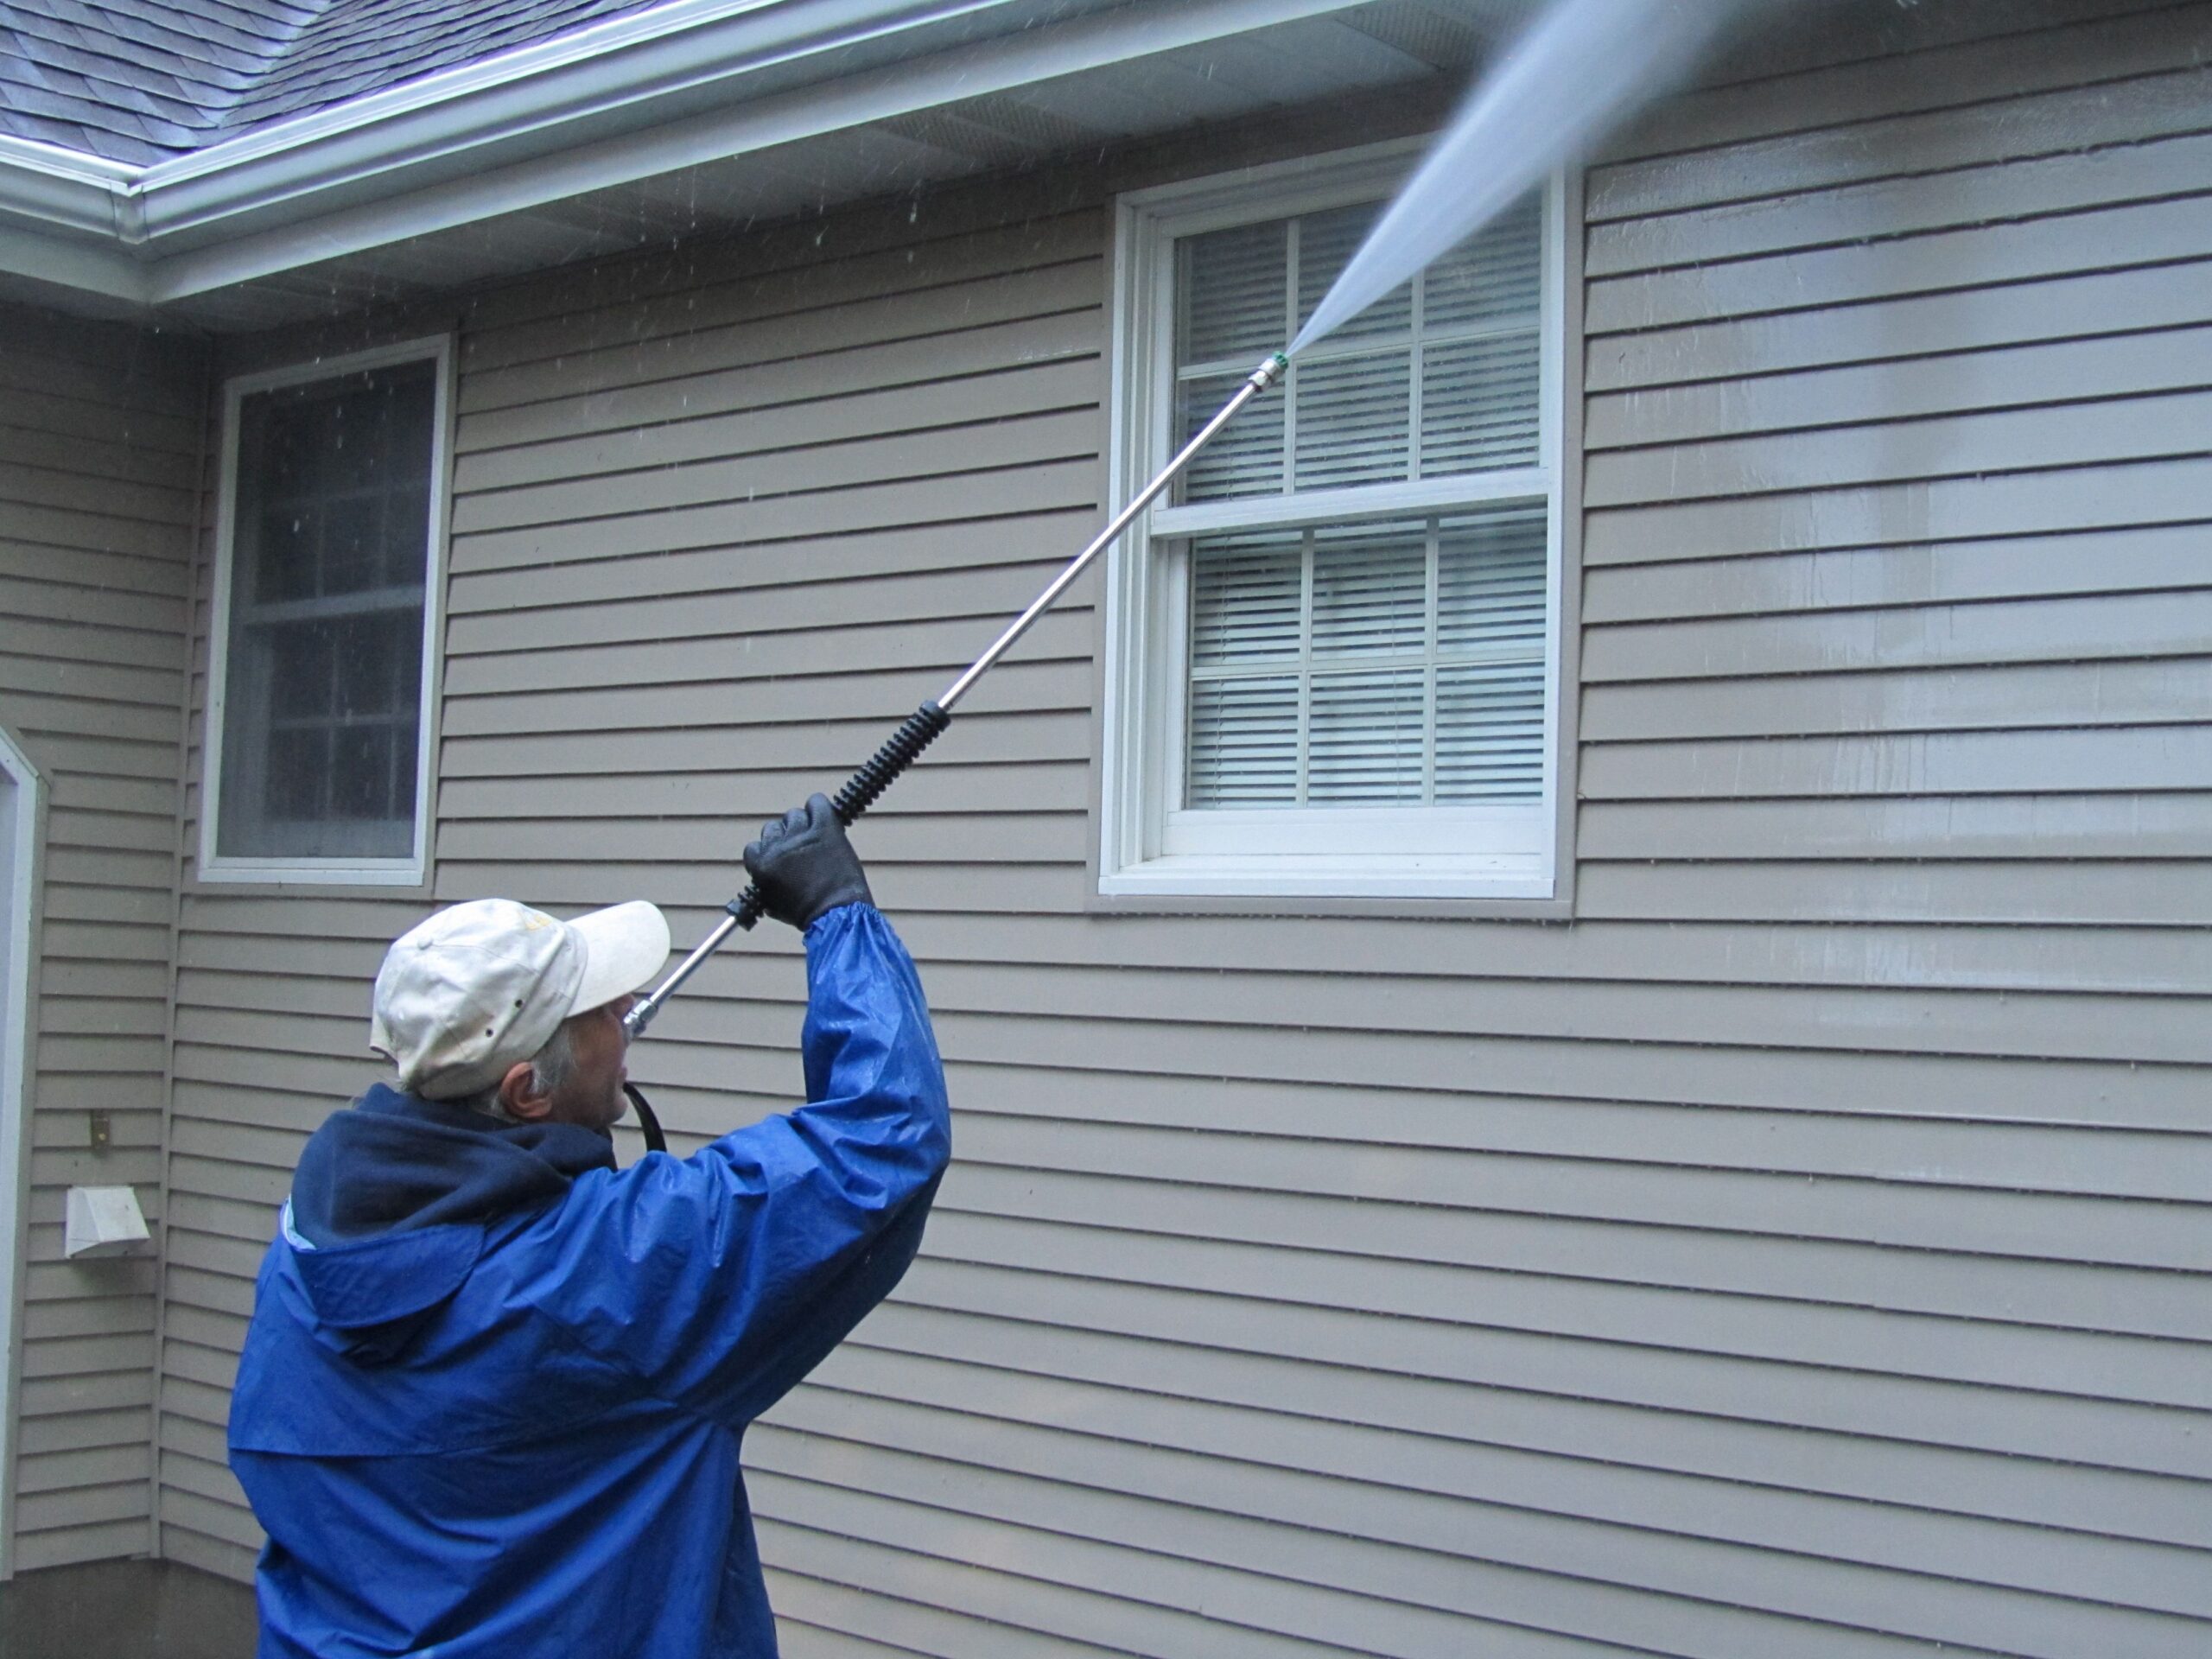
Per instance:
x=922, y=727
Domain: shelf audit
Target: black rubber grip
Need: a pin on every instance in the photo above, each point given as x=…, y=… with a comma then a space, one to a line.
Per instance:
x=916, y=733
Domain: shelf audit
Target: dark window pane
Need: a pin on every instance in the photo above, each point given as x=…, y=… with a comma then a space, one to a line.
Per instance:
x=301, y=686
x=360, y=784
x=406, y=662
x=284, y=559
x=299, y=766
x=352, y=543
x=403, y=762
x=406, y=535
x=364, y=651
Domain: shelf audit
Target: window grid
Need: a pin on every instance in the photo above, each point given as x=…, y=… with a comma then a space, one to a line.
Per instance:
x=1232, y=712
x=318, y=713
x=331, y=630
x=1342, y=667
x=1416, y=340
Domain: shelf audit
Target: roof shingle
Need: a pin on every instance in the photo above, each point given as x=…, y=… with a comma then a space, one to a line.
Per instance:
x=142, y=80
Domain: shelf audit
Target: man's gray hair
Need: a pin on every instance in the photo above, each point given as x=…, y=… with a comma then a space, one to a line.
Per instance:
x=551, y=1068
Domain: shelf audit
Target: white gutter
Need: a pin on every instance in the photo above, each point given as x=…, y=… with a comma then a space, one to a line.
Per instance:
x=60, y=188
x=533, y=100
x=690, y=82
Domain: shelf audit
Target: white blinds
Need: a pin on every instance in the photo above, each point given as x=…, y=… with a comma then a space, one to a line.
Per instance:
x=1399, y=662
x=1441, y=378
x=1394, y=661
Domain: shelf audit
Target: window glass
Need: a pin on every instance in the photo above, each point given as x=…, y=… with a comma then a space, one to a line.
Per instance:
x=323, y=670
x=1399, y=662
x=1405, y=657
x=1439, y=378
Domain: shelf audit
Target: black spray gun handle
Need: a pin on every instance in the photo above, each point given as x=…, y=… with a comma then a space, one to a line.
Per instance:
x=915, y=734
x=918, y=731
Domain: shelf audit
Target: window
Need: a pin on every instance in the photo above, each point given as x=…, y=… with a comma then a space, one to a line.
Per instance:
x=1333, y=652
x=319, y=748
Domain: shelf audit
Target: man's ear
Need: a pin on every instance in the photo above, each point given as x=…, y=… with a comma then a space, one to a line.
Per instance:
x=518, y=1094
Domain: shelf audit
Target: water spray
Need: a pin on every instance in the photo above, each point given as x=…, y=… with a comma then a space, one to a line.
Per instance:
x=926, y=723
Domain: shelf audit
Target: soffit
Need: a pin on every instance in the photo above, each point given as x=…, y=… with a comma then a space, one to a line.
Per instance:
x=955, y=89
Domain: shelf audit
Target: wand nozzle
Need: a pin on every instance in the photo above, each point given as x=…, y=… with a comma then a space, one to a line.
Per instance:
x=923, y=727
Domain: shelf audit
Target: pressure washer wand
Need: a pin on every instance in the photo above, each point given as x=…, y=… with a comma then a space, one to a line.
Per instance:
x=921, y=727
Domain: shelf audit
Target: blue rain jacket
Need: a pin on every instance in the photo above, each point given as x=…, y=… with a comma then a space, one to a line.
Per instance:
x=492, y=1398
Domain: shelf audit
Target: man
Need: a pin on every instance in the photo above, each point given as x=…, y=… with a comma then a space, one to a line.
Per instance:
x=492, y=1398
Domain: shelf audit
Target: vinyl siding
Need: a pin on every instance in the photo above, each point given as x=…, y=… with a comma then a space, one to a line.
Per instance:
x=1802, y=1251
x=99, y=443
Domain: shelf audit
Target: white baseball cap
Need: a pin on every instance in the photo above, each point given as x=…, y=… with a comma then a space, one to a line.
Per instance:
x=482, y=985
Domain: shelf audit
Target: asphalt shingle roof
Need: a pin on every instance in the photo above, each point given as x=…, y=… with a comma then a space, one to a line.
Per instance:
x=142, y=80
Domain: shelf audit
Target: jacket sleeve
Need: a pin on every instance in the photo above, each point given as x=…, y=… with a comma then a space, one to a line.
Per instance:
x=721, y=1280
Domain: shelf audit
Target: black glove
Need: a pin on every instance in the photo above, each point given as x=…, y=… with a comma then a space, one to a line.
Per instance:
x=805, y=864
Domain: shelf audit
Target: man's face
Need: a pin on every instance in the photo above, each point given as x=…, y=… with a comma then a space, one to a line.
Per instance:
x=593, y=1095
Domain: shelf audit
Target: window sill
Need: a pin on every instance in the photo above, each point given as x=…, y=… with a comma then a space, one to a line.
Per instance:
x=1318, y=876
x=308, y=873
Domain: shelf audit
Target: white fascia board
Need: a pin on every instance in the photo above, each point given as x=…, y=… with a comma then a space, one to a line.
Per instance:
x=802, y=112
x=537, y=99
x=591, y=111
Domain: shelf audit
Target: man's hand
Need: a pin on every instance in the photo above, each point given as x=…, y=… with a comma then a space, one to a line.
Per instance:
x=805, y=866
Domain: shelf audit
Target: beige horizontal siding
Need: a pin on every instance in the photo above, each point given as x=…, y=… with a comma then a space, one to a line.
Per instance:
x=1800, y=1252
x=959, y=361
x=98, y=494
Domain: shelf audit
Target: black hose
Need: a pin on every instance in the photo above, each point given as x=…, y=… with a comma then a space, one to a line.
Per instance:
x=648, y=1125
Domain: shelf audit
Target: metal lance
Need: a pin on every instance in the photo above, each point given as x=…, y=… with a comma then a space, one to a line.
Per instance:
x=921, y=727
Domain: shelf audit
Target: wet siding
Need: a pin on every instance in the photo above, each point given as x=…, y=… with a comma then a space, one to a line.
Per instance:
x=660, y=500
x=1801, y=1253
x=99, y=439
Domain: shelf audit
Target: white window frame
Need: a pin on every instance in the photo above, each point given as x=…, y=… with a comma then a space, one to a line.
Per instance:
x=413, y=869
x=1148, y=844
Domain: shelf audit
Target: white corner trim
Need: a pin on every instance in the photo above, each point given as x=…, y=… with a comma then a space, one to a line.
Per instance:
x=26, y=828
x=87, y=267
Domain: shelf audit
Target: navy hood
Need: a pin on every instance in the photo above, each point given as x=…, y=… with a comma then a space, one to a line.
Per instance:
x=389, y=1204
x=397, y=1161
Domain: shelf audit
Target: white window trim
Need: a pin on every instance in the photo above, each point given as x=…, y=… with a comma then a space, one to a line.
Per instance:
x=413, y=870
x=1216, y=853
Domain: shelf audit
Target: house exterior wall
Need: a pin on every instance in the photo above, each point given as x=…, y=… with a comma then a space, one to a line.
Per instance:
x=1799, y=1252
x=99, y=431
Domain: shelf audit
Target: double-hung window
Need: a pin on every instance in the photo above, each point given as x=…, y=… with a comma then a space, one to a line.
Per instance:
x=1333, y=650
x=322, y=672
